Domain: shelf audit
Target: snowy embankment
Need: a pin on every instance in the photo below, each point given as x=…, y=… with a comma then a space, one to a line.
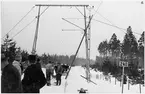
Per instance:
x=75, y=82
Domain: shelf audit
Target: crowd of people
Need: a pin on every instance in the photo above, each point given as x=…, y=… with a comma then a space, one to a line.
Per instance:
x=34, y=78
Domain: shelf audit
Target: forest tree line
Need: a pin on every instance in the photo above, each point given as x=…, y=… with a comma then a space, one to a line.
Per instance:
x=130, y=50
x=9, y=48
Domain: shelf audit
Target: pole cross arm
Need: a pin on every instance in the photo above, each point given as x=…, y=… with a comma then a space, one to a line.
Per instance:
x=61, y=5
x=72, y=23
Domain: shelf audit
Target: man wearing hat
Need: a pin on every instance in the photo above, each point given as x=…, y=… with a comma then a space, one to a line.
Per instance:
x=34, y=78
x=10, y=79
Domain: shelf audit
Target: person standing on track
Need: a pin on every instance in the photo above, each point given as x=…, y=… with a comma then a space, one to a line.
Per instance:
x=49, y=73
x=59, y=74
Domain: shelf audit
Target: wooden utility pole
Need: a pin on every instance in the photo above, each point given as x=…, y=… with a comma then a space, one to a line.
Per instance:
x=36, y=33
x=87, y=47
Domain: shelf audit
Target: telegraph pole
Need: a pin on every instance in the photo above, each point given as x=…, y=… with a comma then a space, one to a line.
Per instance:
x=36, y=33
x=89, y=36
x=86, y=41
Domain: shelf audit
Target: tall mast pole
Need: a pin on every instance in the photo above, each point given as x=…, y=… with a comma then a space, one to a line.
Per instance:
x=89, y=36
x=86, y=41
x=36, y=33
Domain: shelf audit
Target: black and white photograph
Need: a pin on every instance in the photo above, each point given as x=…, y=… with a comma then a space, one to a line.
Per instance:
x=72, y=46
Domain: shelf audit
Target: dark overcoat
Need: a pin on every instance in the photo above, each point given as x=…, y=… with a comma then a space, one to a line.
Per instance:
x=10, y=80
x=33, y=80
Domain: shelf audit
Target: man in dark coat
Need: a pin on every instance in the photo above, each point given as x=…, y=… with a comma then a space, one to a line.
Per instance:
x=10, y=79
x=34, y=78
x=59, y=74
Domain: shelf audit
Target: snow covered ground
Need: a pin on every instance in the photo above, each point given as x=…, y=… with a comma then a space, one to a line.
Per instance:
x=75, y=82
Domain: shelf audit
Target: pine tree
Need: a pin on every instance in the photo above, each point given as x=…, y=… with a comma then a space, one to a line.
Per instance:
x=100, y=49
x=130, y=50
x=114, y=45
x=9, y=48
x=130, y=45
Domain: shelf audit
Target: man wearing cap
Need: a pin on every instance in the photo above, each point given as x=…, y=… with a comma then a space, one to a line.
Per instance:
x=34, y=78
x=10, y=79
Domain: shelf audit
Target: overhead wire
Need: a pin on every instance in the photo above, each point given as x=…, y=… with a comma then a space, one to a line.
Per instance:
x=19, y=21
x=109, y=24
x=98, y=7
x=96, y=11
x=121, y=29
x=23, y=28
x=29, y=23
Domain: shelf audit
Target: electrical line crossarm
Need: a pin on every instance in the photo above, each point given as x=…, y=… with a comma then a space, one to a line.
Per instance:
x=72, y=23
x=61, y=5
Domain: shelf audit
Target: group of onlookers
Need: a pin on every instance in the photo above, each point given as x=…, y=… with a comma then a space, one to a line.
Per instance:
x=55, y=70
x=11, y=81
x=33, y=77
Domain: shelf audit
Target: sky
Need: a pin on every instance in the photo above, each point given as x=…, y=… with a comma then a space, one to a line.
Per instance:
x=51, y=38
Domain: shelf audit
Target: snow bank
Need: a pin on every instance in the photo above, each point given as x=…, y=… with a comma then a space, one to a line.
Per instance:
x=75, y=82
